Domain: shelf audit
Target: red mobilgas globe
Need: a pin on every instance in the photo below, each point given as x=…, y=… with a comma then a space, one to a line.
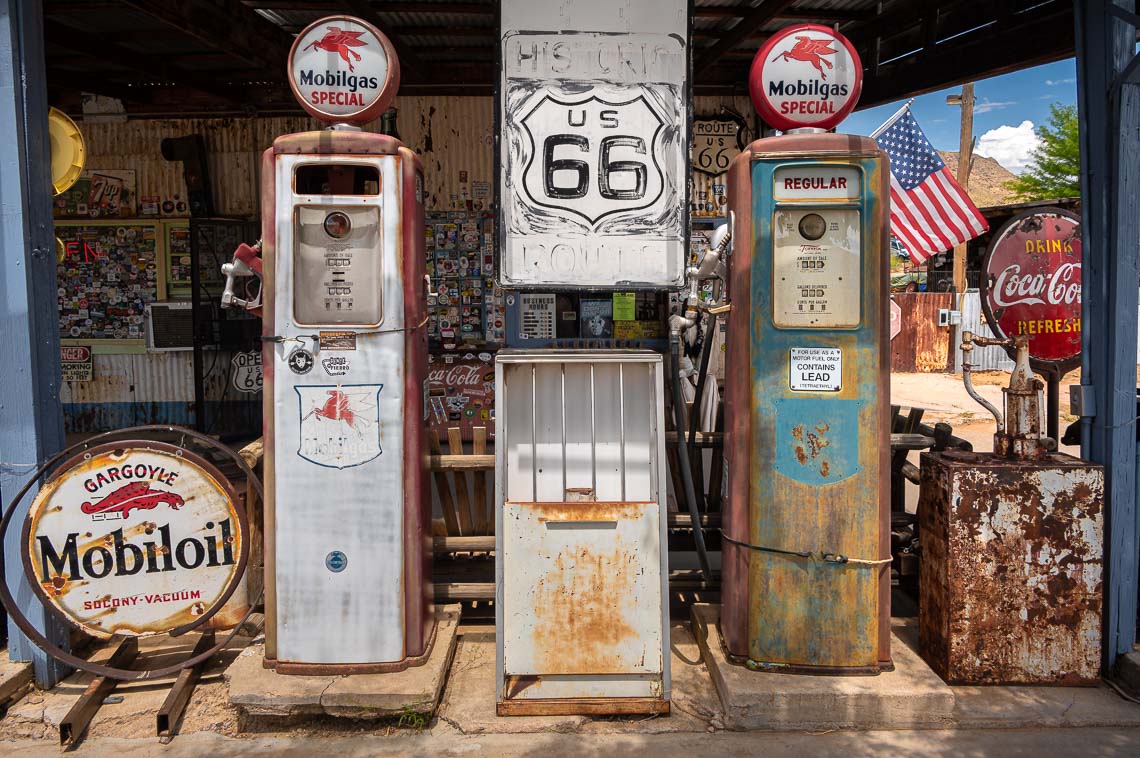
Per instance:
x=805, y=76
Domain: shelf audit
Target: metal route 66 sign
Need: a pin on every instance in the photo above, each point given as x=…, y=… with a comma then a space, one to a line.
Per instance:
x=594, y=154
x=592, y=178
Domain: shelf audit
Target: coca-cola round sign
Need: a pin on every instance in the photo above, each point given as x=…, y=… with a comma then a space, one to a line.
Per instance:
x=135, y=538
x=343, y=70
x=805, y=76
x=1032, y=284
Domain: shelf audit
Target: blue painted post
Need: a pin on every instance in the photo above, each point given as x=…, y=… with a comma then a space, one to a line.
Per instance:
x=1110, y=190
x=31, y=421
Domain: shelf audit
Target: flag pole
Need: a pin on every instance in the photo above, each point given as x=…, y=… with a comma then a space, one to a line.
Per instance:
x=886, y=124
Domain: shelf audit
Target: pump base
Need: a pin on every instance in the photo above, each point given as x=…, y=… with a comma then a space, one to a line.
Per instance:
x=346, y=669
x=910, y=697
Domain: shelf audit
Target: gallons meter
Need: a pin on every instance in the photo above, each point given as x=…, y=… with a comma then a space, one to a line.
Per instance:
x=345, y=353
x=806, y=555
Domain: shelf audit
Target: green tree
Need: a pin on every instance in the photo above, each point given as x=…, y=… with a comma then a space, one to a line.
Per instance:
x=1055, y=170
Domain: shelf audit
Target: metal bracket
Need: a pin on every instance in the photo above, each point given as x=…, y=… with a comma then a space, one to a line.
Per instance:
x=1082, y=400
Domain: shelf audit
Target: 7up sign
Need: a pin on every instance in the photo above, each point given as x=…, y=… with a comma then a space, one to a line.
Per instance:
x=593, y=165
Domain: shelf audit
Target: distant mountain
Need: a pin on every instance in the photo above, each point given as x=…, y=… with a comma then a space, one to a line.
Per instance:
x=987, y=179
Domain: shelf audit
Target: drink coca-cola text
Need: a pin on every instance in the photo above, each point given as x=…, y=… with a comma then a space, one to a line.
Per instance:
x=1061, y=287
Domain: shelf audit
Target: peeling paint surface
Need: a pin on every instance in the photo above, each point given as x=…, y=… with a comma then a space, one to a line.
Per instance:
x=1012, y=569
x=582, y=591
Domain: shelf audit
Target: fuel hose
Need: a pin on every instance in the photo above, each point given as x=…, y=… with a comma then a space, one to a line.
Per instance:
x=683, y=455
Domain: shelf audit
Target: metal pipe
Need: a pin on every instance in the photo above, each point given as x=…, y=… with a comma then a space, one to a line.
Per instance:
x=593, y=437
x=683, y=454
x=562, y=369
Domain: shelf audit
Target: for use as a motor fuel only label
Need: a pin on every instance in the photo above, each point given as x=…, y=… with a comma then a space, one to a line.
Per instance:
x=815, y=369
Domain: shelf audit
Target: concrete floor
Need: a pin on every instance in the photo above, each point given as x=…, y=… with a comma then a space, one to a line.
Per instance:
x=442, y=741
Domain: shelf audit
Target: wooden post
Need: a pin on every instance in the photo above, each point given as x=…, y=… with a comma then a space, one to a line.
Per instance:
x=32, y=427
x=1108, y=97
x=965, y=157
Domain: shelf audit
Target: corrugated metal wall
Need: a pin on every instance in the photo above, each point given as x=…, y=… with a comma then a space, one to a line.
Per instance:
x=454, y=137
x=973, y=320
x=922, y=346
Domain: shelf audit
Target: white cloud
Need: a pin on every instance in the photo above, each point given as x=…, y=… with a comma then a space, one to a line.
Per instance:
x=1058, y=82
x=990, y=105
x=1011, y=146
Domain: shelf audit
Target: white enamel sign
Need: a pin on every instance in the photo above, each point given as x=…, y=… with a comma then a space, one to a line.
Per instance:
x=805, y=76
x=134, y=540
x=343, y=69
x=594, y=160
x=815, y=369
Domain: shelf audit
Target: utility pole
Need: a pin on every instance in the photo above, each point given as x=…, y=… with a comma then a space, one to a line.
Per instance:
x=965, y=158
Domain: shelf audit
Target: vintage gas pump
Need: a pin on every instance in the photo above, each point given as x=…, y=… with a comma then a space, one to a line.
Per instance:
x=347, y=506
x=805, y=572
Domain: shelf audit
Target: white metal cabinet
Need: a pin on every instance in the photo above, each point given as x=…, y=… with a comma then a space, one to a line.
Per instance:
x=581, y=574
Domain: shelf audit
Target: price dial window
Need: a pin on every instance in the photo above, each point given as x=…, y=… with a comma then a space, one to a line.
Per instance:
x=816, y=268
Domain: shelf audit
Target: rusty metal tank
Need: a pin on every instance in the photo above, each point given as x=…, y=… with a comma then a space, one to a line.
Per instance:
x=1011, y=576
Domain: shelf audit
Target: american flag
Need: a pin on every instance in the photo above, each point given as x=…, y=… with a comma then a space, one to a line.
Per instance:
x=930, y=212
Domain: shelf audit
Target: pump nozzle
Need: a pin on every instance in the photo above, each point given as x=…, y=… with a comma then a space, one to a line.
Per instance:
x=246, y=262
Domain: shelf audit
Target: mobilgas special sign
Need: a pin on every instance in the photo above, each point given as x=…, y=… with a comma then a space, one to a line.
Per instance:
x=135, y=539
x=594, y=162
x=805, y=76
x=343, y=69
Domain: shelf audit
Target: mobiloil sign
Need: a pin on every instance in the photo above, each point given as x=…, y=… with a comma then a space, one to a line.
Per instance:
x=348, y=510
x=133, y=539
x=805, y=574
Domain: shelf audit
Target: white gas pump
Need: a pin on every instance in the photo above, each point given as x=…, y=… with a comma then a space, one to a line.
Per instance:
x=347, y=503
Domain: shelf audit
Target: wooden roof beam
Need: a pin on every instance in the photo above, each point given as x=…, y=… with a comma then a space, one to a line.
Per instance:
x=745, y=28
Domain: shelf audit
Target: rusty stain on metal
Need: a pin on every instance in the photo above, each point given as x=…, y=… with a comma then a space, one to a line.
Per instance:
x=578, y=605
x=1012, y=569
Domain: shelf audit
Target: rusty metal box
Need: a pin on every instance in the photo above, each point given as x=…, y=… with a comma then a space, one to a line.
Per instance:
x=1010, y=581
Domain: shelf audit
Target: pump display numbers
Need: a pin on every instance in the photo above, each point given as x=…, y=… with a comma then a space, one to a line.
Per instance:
x=815, y=369
x=337, y=267
x=816, y=268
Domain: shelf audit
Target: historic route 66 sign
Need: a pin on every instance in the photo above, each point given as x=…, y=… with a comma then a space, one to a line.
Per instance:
x=591, y=179
x=594, y=163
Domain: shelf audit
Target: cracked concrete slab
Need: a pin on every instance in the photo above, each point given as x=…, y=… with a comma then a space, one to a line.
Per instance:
x=911, y=696
x=261, y=692
x=469, y=704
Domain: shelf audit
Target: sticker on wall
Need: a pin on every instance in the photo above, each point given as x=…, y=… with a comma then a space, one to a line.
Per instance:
x=340, y=425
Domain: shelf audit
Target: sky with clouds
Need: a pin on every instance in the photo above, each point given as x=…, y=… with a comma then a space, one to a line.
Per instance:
x=1006, y=111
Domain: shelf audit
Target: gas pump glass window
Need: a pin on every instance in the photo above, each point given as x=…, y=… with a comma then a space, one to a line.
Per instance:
x=816, y=267
x=337, y=265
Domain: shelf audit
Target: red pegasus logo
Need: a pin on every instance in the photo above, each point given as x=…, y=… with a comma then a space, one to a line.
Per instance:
x=810, y=51
x=136, y=496
x=337, y=40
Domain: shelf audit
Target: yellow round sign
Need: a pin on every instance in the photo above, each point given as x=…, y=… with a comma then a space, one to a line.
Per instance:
x=68, y=152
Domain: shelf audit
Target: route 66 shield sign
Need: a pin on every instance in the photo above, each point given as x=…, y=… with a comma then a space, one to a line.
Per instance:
x=563, y=136
x=340, y=424
x=594, y=165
